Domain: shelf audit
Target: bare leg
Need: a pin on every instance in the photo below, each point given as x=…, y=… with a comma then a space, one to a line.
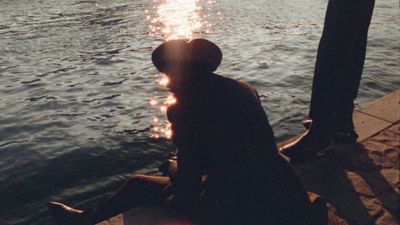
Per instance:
x=138, y=190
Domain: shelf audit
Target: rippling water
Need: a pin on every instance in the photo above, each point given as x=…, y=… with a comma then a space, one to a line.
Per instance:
x=76, y=79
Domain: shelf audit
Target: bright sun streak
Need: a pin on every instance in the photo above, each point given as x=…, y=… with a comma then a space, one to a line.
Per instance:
x=176, y=19
x=180, y=18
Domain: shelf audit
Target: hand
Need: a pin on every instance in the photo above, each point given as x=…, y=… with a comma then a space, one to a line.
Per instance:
x=169, y=168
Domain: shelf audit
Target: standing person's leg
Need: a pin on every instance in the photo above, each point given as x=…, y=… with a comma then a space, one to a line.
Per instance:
x=339, y=65
x=138, y=190
x=337, y=75
x=361, y=13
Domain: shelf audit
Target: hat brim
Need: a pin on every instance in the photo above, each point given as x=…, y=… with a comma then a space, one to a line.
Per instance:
x=198, y=54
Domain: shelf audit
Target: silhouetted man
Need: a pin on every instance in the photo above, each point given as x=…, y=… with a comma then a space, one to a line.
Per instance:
x=229, y=171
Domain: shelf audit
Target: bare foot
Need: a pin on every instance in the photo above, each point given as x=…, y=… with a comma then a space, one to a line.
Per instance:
x=306, y=147
x=65, y=215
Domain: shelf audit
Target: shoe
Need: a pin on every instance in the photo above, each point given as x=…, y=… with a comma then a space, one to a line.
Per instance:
x=345, y=137
x=65, y=215
x=306, y=147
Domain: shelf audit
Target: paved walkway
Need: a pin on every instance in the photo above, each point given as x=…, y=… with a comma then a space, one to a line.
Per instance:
x=360, y=180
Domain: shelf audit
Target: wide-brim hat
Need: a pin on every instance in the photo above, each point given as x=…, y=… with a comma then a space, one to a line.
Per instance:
x=198, y=54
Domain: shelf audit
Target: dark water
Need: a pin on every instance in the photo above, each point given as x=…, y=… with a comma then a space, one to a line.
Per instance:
x=76, y=79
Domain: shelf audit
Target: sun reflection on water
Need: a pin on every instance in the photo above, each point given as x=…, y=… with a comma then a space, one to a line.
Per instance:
x=179, y=19
x=161, y=127
x=174, y=19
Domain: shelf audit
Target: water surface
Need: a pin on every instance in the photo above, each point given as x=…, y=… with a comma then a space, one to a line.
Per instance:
x=76, y=81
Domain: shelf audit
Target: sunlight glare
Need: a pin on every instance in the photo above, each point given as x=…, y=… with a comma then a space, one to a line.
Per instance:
x=163, y=81
x=176, y=19
x=180, y=18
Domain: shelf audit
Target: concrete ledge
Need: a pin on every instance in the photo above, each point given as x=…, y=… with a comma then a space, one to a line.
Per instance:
x=367, y=126
x=386, y=108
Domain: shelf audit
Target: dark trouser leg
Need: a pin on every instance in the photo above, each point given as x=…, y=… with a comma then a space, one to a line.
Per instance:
x=139, y=190
x=339, y=65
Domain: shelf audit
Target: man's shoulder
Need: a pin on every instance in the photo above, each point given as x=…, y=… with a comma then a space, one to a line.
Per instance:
x=233, y=81
x=238, y=85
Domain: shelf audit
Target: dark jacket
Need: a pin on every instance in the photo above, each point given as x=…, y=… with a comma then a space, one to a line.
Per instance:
x=222, y=131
